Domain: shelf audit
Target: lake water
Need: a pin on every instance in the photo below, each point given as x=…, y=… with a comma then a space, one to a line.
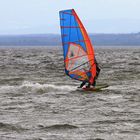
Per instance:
x=39, y=102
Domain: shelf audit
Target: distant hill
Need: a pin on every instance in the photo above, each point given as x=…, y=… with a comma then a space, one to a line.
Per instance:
x=55, y=39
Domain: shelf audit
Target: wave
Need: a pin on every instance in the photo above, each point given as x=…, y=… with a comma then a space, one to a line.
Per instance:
x=29, y=86
x=10, y=127
x=58, y=126
x=45, y=88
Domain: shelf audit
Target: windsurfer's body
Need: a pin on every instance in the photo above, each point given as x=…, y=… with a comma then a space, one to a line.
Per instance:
x=91, y=80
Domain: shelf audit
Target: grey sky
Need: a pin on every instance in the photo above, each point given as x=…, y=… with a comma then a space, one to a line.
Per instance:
x=41, y=16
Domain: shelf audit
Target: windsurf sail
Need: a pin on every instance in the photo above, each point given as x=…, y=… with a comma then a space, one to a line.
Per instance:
x=79, y=57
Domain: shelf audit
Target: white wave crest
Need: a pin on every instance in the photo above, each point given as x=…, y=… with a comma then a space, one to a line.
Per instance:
x=29, y=86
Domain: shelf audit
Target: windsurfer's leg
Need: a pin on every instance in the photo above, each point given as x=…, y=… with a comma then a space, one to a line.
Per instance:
x=94, y=83
x=88, y=86
x=82, y=84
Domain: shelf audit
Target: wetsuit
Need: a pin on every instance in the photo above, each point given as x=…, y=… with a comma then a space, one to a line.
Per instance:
x=82, y=84
x=97, y=69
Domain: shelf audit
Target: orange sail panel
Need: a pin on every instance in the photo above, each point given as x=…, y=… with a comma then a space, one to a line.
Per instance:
x=78, y=51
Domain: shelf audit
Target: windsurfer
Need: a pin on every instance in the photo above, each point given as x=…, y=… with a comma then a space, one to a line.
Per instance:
x=92, y=80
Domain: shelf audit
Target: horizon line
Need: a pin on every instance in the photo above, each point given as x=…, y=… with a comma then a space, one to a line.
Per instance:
x=60, y=34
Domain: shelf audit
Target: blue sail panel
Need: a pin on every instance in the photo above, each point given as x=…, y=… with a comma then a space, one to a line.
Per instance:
x=70, y=31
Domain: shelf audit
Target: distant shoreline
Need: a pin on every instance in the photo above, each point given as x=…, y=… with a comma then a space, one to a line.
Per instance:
x=132, y=39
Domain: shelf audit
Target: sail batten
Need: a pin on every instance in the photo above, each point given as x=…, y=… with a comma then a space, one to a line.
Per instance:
x=77, y=48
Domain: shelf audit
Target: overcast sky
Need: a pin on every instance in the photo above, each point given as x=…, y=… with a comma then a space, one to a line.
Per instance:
x=41, y=16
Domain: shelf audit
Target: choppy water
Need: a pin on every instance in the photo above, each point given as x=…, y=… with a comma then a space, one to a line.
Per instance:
x=38, y=102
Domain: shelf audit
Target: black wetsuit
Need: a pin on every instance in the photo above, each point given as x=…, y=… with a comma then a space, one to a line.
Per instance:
x=97, y=70
x=88, y=86
x=83, y=83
